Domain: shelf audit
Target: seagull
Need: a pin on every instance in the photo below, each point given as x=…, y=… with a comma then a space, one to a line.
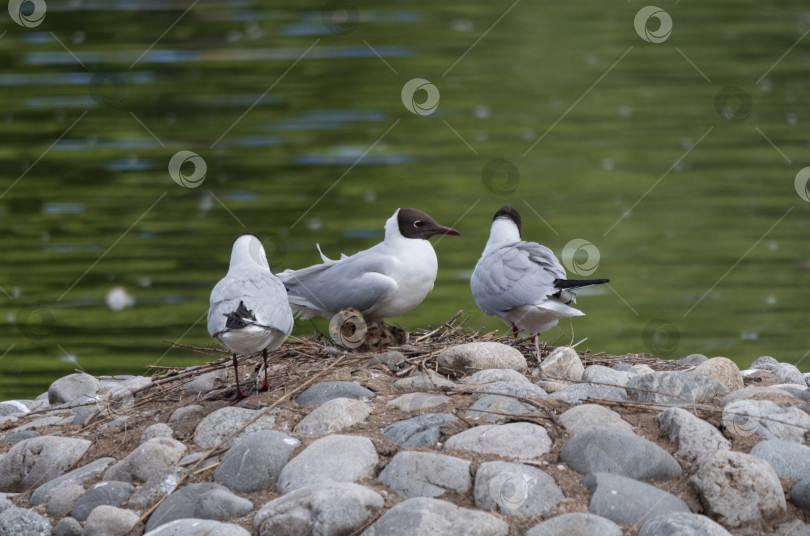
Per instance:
x=388, y=279
x=523, y=283
x=249, y=312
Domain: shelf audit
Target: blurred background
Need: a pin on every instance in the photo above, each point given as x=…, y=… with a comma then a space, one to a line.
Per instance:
x=662, y=145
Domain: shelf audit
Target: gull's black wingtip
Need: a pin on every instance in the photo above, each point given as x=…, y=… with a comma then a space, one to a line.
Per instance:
x=578, y=283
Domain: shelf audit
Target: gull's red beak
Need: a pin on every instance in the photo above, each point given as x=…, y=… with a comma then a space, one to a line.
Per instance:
x=446, y=231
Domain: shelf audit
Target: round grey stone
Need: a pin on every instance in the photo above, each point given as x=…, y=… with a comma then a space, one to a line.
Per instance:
x=620, y=453
x=63, y=497
x=563, y=364
x=21, y=522
x=573, y=394
x=422, y=381
x=497, y=407
x=333, y=416
x=255, y=462
x=109, y=521
x=45, y=492
x=422, y=516
x=766, y=419
x=334, y=458
x=495, y=375
x=68, y=526
x=424, y=474
x=111, y=493
x=515, y=489
x=72, y=387
x=205, y=383
x=518, y=440
x=576, y=524
x=784, y=372
x=725, y=480
x=220, y=424
x=204, y=501
x=157, y=430
x=390, y=359
x=20, y=436
x=682, y=524
x=417, y=401
x=421, y=431
x=33, y=462
x=520, y=389
x=788, y=459
x=326, y=391
x=331, y=508
x=677, y=388
x=185, y=413
x=13, y=407
x=602, y=374
x=472, y=357
x=800, y=493
x=147, y=460
x=155, y=488
x=588, y=417
x=624, y=500
x=693, y=359
x=197, y=527
x=694, y=436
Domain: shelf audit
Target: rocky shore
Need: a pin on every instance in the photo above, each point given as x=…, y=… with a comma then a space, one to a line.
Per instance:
x=451, y=433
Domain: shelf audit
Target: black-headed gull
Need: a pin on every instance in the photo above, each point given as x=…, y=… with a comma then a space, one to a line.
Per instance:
x=523, y=283
x=388, y=279
x=249, y=312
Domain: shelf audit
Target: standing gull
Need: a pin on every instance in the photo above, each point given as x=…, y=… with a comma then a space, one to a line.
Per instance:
x=388, y=279
x=249, y=310
x=523, y=283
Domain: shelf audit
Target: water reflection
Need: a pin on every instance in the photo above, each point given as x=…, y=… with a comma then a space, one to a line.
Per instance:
x=616, y=140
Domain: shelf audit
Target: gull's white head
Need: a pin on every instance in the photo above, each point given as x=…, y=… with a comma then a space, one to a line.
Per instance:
x=507, y=227
x=248, y=250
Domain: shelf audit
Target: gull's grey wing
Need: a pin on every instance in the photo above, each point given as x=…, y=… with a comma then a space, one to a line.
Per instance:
x=517, y=274
x=262, y=294
x=355, y=281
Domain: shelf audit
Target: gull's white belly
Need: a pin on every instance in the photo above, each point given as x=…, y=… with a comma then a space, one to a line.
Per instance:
x=414, y=270
x=250, y=339
x=537, y=318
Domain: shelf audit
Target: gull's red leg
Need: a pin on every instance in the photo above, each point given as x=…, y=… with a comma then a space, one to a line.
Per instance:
x=239, y=394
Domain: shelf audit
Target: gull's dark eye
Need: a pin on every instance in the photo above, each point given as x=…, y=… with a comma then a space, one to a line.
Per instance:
x=418, y=223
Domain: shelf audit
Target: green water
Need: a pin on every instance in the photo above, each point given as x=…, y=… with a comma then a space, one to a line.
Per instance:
x=686, y=191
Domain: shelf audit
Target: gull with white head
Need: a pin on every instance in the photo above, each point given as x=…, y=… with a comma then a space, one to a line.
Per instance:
x=249, y=312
